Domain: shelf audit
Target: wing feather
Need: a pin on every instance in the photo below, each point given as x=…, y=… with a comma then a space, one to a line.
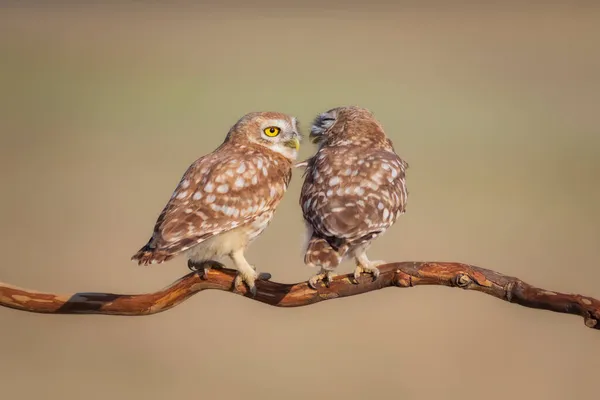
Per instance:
x=219, y=192
x=348, y=196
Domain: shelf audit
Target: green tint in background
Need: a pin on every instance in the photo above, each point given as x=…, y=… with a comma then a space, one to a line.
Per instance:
x=496, y=110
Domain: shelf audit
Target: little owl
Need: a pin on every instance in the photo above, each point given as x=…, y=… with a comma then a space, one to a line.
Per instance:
x=354, y=190
x=228, y=197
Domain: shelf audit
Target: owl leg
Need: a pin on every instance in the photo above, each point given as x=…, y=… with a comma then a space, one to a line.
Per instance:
x=364, y=265
x=325, y=275
x=202, y=267
x=246, y=273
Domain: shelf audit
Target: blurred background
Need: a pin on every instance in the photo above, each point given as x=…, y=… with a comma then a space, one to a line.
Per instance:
x=102, y=108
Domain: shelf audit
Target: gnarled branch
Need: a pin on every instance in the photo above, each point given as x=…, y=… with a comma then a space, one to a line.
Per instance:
x=400, y=274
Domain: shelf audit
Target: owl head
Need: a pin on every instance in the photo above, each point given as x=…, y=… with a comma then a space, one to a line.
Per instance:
x=342, y=123
x=275, y=131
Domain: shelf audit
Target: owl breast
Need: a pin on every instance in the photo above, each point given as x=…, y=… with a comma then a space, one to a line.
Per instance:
x=226, y=242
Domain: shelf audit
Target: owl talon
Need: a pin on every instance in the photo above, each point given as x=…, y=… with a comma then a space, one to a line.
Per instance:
x=202, y=267
x=193, y=266
x=253, y=290
x=264, y=276
x=376, y=274
x=330, y=276
x=326, y=277
x=371, y=269
x=248, y=280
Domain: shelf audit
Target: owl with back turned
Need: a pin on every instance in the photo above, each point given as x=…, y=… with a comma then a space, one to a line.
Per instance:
x=227, y=198
x=354, y=190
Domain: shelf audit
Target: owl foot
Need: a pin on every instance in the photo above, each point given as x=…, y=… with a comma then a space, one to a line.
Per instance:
x=202, y=267
x=325, y=276
x=370, y=268
x=249, y=280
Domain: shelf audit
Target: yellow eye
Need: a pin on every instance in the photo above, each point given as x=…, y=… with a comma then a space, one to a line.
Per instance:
x=272, y=131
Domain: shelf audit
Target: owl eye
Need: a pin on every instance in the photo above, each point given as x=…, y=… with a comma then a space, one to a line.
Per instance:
x=272, y=131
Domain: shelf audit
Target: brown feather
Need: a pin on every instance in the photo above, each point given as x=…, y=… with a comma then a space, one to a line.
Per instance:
x=238, y=185
x=354, y=187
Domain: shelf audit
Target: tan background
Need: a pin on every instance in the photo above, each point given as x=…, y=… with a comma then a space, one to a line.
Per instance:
x=496, y=110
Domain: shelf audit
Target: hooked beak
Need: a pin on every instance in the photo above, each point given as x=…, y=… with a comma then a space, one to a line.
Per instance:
x=293, y=143
x=314, y=139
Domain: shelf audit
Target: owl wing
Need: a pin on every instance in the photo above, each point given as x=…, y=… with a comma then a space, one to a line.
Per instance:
x=352, y=197
x=217, y=193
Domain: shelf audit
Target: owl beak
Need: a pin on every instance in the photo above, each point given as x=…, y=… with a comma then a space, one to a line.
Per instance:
x=294, y=143
x=314, y=138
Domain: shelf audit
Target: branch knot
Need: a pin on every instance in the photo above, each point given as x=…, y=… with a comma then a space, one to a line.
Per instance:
x=591, y=322
x=402, y=279
x=462, y=280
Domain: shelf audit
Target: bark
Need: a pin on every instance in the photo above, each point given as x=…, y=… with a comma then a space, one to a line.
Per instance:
x=400, y=274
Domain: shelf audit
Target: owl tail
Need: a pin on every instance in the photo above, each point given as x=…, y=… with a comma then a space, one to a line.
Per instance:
x=151, y=255
x=320, y=253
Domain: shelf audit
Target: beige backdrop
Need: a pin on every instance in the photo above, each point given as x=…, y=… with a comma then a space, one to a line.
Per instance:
x=495, y=109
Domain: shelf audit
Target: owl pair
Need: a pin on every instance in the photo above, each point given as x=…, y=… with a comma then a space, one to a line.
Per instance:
x=354, y=190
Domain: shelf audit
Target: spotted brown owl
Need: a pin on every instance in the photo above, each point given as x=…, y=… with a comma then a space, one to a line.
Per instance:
x=354, y=190
x=227, y=198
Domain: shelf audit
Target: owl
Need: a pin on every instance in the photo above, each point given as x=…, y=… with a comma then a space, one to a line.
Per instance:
x=227, y=198
x=354, y=190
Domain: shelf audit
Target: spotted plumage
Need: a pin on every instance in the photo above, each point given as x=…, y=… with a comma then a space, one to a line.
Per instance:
x=354, y=190
x=227, y=198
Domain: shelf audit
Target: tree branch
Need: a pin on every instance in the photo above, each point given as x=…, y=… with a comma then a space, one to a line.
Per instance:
x=400, y=274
